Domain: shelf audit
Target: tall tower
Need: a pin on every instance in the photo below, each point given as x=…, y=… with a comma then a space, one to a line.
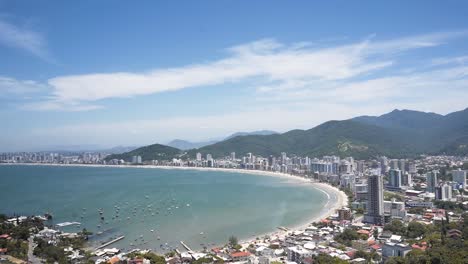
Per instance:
x=375, y=205
x=395, y=178
x=459, y=176
x=431, y=180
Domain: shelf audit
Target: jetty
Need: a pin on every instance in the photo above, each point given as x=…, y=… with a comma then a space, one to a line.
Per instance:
x=110, y=242
x=185, y=246
x=68, y=224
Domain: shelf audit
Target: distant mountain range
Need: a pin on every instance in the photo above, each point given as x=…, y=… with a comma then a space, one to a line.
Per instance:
x=185, y=145
x=400, y=133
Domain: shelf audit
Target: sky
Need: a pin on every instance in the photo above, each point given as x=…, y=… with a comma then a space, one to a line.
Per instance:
x=110, y=73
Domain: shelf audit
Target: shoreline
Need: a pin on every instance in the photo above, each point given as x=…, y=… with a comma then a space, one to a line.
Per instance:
x=336, y=198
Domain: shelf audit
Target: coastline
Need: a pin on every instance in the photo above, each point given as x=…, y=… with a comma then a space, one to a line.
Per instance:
x=336, y=198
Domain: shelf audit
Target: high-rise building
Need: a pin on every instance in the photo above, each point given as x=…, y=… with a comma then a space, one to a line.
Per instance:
x=199, y=156
x=402, y=165
x=443, y=192
x=395, y=178
x=431, y=180
x=375, y=206
x=412, y=167
x=233, y=156
x=360, y=166
x=407, y=179
x=383, y=165
x=136, y=160
x=283, y=157
x=209, y=157
x=459, y=176
x=394, y=164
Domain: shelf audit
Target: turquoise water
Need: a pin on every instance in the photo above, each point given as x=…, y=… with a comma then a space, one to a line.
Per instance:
x=202, y=208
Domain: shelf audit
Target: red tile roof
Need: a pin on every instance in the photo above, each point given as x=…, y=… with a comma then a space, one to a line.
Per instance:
x=416, y=246
x=376, y=246
x=240, y=254
x=364, y=232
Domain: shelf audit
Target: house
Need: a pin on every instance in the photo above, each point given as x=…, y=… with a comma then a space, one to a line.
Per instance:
x=5, y=236
x=240, y=256
x=390, y=249
x=298, y=254
x=454, y=233
x=422, y=246
x=113, y=260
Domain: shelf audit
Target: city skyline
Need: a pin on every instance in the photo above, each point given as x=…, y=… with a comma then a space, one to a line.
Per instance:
x=139, y=76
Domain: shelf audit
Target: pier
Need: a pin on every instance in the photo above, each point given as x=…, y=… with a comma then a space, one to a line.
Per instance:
x=185, y=246
x=110, y=242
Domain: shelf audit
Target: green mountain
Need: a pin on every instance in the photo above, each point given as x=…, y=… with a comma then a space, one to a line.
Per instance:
x=151, y=152
x=400, y=133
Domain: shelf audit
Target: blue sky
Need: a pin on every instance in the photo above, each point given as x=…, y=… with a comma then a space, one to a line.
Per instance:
x=107, y=73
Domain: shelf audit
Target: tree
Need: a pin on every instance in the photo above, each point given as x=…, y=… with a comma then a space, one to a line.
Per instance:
x=415, y=229
x=395, y=260
x=233, y=242
x=322, y=258
x=347, y=236
x=375, y=233
x=396, y=227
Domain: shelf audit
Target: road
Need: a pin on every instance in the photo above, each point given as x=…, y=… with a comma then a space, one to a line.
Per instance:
x=31, y=258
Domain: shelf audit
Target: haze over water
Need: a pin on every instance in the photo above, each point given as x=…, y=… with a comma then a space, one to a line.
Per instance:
x=201, y=208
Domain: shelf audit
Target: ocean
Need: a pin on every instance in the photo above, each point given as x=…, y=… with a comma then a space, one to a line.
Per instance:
x=157, y=208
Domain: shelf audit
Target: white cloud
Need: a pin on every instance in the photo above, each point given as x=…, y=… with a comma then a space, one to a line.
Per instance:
x=269, y=60
x=463, y=60
x=30, y=41
x=10, y=86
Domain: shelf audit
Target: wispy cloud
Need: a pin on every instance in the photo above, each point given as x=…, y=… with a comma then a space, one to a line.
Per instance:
x=10, y=86
x=271, y=61
x=25, y=39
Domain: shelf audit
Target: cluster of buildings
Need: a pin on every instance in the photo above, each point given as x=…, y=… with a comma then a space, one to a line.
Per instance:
x=380, y=190
x=54, y=157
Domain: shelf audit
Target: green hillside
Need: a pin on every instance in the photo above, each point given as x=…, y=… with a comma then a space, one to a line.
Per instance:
x=396, y=134
x=342, y=138
x=151, y=152
x=402, y=133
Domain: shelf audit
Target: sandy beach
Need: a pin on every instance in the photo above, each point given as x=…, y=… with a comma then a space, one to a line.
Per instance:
x=336, y=198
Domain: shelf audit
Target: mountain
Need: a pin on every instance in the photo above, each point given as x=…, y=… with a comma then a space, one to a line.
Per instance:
x=400, y=133
x=259, y=132
x=186, y=145
x=151, y=152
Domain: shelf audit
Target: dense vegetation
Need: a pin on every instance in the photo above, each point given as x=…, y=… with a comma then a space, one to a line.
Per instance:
x=152, y=257
x=17, y=246
x=442, y=248
x=151, y=152
x=347, y=236
x=396, y=134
